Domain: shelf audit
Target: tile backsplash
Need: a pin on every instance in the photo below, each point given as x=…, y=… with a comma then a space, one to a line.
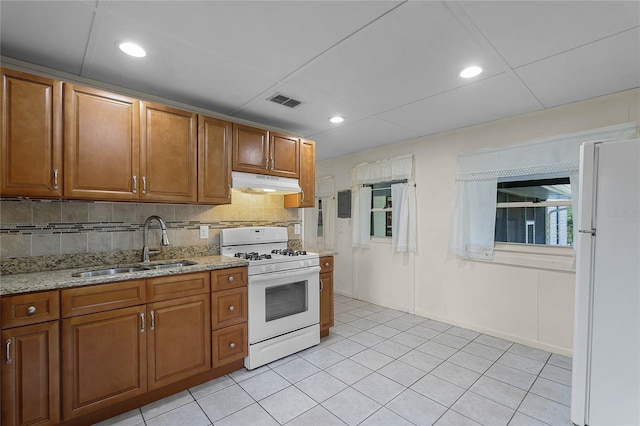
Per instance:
x=47, y=233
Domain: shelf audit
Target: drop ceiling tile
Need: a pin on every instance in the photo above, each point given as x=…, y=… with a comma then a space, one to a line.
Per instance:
x=527, y=31
x=365, y=134
x=412, y=52
x=172, y=69
x=608, y=66
x=490, y=99
x=53, y=34
x=275, y=37
x=310, y=117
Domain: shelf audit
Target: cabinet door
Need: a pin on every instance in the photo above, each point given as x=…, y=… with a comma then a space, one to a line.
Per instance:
x=250, y=149
x=214, y=160
x=284, y=152
x=101, y=144
x=326, y=301
x=306, y=198
x=31, y=125
x=103, y=359
x=179, y=339
x=31, y=375
x=168, y=151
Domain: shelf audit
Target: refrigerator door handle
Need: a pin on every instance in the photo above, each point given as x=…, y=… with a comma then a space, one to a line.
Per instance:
x=587, y=231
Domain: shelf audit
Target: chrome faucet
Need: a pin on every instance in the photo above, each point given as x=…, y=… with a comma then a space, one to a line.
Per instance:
x=165, y=239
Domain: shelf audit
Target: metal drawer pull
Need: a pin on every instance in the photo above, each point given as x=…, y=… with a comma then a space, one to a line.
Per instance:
x=230, y=278
x=327, y=264
x=55, y=178
x=135, y=184
x=142, y=318
x=31, y=310
x=8, y=351
x=232, y=345
x=153, y=320
x=232, y=308
x=144, y=184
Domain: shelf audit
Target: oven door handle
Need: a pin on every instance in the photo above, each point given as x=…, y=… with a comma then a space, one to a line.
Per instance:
x=285, y=274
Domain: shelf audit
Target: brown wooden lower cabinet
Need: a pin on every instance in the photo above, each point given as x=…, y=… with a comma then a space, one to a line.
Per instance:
x=30, y=375
x=179, y=339
x=104, y=359
x=326, y=295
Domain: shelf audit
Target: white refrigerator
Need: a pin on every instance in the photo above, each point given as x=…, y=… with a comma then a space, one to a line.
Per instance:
x=606, y=349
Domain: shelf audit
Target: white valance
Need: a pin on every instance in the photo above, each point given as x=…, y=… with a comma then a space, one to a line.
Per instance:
x=473, y=212
x=383, y=170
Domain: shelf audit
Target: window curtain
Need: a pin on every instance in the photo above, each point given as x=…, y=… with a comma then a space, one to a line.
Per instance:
x=403, y=224
x=472, y=224
x=325, y=191
x=367, y=173
x=361, y=216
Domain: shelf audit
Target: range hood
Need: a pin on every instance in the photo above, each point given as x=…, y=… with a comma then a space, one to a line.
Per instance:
x=263, y=184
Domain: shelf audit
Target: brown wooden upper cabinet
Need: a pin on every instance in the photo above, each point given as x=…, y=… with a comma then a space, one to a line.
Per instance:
x=101, y=144
x=263, y=152
x=214, y=160
x=31, y=123
x=119, y=148
x=307, y=197
x=168, y=154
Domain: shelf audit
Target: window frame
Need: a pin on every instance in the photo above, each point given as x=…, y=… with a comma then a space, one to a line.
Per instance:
x=387, y=210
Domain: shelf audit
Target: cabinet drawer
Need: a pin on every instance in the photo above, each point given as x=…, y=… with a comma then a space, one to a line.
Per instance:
x=102, y=297
x=224, y=279
x=229, y=344
x=30, y=308
x=171, y=287
x=326, y=264
x=229, y=307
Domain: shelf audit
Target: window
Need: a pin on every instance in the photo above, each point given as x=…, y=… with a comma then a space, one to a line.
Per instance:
x=320, y=226
x=381, y=208
x=535, y=212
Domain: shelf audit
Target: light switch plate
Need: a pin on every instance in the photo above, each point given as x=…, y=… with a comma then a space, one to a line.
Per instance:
x=204, y=232
x=296, y=228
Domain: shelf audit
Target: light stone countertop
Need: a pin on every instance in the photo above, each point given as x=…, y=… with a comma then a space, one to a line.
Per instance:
x=322, y=253
x=52, y=280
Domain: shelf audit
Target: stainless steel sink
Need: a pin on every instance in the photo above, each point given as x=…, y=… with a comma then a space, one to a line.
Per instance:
x=108, y=271
x=138, y=268
x=175, y=264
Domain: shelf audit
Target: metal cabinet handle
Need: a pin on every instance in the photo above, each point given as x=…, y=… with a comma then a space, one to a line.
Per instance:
x=142, y=318
x=229, y=192
x=232, y=308
x=327, y=264
x=31, y=310
x=8, y=344
x=153, y=320
x=144, y=184
x=321, y=285
x=232, y=345
x=135, y=184
x=302, y=191
x=230, y=279
x=55, y=178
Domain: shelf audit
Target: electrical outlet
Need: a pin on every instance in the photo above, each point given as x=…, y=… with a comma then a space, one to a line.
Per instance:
x=296, y=228
x=204, y=232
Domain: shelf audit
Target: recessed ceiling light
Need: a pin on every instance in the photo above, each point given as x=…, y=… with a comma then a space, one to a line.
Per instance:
x=471, y=71
x=336, y=119
x=132, y=49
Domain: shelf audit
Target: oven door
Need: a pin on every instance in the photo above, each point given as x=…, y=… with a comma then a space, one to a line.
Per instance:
x=282, y=302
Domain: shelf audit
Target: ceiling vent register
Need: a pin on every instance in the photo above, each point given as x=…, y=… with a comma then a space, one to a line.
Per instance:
x=284, y=100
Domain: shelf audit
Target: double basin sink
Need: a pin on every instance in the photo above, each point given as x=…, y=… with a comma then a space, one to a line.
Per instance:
x=133, y=268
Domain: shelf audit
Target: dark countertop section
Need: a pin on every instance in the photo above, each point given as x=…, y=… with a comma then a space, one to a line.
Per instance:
x=52, y=280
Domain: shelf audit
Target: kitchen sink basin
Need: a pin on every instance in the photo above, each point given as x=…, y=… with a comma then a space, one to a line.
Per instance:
x=126, y=269
x=108, y=271
x=176, y=264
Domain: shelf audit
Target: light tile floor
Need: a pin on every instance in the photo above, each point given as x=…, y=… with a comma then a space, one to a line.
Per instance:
x=381, y=367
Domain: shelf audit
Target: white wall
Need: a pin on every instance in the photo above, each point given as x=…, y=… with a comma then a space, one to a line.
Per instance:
x=528, y=305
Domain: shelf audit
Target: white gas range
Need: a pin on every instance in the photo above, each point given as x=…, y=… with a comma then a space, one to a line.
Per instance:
x=283, y=292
